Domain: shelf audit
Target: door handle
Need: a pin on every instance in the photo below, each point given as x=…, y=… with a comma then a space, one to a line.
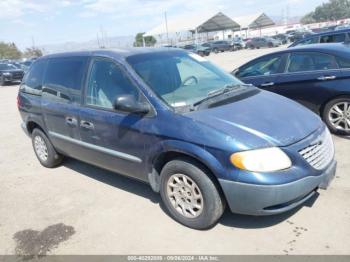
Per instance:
x=324, y=78
x=87, y=125
x=71, y=121
x=268, y=84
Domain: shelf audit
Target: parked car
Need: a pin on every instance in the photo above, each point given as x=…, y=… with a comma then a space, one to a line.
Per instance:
x=258, y=42
x=198, y=49
x=342, y=27
x=9, y=73
x=323, y=38
x=170, y=118
x=283, y=38
x=317, y=76
x=219, y=46
x=299, y=35
x=237, y=44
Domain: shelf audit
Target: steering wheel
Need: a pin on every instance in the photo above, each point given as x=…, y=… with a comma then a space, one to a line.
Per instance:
x=193, y=78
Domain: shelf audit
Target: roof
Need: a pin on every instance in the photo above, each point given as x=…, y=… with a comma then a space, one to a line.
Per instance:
x=253, y=21
x=201, y=23
x=115, y=53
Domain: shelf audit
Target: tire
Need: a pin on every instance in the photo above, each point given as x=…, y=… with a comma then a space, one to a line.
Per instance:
x=270, y=45
x=212, y=203
x=215, y=50
x=251, y=47
x=47, y=155
x=331, y=112
x=2, y=81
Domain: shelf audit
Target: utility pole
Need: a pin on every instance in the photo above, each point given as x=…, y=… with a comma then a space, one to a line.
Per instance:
x=166, y=27
x=33, y=42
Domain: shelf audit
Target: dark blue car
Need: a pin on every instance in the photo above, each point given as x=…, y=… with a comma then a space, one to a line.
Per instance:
x=172, y=119
x=338, y=36
x=317, y=76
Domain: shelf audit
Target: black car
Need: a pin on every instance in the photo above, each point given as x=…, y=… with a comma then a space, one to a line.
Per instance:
x=317, y=76
x=340, y=36
x=219, y=46
x=9, y=73
x=299, y=35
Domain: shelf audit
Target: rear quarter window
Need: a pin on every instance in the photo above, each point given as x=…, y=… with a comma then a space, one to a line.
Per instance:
x=33, y=81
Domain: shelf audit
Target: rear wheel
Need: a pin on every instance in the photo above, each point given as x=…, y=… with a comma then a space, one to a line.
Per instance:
x=215, y=50
x=189, y=195
x=44, y=150
x=336, y=115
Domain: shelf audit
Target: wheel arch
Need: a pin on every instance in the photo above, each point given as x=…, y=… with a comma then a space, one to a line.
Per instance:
x=323, y=106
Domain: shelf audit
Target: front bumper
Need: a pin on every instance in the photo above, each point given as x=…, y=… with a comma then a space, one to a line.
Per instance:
x=252, y=199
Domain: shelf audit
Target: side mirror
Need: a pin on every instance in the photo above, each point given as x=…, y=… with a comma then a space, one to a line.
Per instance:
x=128, y=103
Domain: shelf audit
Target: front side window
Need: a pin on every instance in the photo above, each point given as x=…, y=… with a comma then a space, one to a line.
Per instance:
x=180, y=78
x=337, y=38
x=265, y=66
x=344, y=62
x=64, y=77
x=309, y=41
x=302, y=62
x=106, y=82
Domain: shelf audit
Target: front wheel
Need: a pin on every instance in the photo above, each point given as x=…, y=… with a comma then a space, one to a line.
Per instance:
x=336, y=115
x=2, y=81
x=190, y=196
x=44, y=150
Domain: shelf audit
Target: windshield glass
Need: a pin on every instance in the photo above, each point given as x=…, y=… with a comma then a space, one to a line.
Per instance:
x=180, y=78
x=7, y=67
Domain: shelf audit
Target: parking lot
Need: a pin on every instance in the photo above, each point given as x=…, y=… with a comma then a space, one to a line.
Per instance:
x=80, y=209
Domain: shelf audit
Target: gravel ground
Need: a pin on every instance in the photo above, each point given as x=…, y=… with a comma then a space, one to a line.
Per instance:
x=80, y=209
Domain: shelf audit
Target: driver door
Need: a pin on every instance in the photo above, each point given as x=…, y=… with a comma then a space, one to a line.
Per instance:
x=262, y=72
x=111, y=139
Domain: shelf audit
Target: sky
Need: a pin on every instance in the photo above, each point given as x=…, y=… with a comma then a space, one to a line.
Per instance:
x=59, y=21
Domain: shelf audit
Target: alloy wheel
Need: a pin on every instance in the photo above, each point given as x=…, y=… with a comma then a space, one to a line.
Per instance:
x=41, y=148
x=339, y=116
x=185, y=196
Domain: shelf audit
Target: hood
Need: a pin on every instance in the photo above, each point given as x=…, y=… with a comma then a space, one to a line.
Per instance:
x=262, y=120
x=12, y=71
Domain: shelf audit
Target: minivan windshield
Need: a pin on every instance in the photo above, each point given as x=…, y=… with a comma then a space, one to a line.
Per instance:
x=180, y=78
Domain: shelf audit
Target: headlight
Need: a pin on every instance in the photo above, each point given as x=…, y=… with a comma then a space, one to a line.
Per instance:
x=261, y=160
x=6, y=74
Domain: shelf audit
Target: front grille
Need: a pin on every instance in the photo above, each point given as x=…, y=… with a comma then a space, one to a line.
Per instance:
x=17, y=75
x=320, y=153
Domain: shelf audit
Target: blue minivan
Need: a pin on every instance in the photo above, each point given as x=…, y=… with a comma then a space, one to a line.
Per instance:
x=194, y=133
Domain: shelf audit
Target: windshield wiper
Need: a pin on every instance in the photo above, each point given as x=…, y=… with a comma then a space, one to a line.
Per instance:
x=224, y=90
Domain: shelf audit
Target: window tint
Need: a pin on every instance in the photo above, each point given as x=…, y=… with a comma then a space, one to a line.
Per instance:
x=312, y=40
x=332, y=38
x=64, y=77
x=106, y=82
x=34, y=78
x=299, y=62
x=343, y=62
x=265, y=66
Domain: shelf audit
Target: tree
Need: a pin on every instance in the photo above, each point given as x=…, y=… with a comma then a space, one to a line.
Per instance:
x=149, y=40
x=9, y=51
x=333, y=10
x=33, y=52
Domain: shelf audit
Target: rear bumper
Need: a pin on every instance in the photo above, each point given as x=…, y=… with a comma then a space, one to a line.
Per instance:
x=253, y=199
x=24, y=128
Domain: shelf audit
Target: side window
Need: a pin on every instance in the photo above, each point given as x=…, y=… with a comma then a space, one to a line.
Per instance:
x=106, y=82
x=64, y=77
x=34, y=79
x=337, y=38
x=302, y=62
x=343, y=62
x=266, y=66
x=312, y=40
